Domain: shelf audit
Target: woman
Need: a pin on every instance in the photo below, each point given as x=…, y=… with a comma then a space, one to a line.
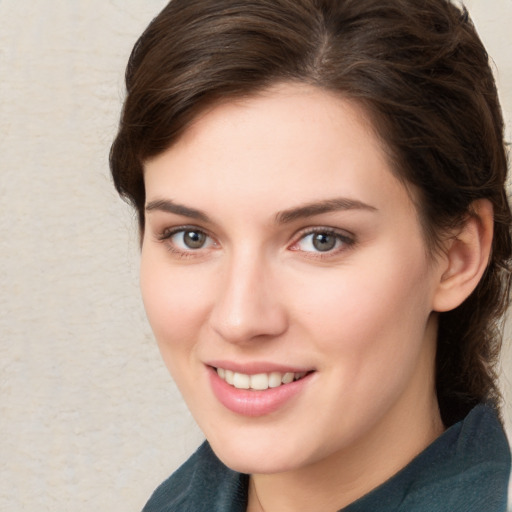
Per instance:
x=325, y=251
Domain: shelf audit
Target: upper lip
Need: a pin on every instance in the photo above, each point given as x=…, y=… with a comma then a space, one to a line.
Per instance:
x=255, y=367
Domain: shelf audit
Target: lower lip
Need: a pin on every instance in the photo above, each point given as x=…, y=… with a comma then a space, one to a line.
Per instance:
x=255, y=403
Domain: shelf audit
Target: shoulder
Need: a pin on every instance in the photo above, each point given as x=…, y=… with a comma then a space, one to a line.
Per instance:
x=468, y=468
x=202, y=483
x=465, y=470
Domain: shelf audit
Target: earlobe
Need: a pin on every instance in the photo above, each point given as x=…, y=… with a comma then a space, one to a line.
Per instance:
x=466, y=257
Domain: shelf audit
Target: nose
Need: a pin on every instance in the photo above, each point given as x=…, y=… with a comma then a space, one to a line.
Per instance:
x=248, y=305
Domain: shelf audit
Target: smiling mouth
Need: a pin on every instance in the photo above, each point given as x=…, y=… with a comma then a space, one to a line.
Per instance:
x=259, y=381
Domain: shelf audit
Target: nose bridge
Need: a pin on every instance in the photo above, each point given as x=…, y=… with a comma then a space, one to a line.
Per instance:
x=247, y=304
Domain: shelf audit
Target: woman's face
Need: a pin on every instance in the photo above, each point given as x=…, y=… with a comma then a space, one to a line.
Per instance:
x=281, y=253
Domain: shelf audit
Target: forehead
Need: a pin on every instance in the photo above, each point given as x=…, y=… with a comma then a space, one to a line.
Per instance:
x=288, y=145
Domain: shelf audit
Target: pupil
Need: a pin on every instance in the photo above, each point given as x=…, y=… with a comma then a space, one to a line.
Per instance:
x=194, y=239
x=324, y=242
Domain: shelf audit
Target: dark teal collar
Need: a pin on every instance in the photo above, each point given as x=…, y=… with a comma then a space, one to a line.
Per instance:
x=465, y=470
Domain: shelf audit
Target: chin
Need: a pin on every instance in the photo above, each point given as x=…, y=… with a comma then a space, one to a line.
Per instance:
x=252, y=454
x=256, y=462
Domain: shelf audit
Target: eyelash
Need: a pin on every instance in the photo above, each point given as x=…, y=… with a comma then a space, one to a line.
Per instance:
x=167, y=234
x=347, y=241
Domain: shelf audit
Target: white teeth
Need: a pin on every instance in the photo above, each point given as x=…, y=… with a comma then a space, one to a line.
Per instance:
x=241, y=381
x=259, y=381
x=228, y=377
x=274, y=380
x=287, y=378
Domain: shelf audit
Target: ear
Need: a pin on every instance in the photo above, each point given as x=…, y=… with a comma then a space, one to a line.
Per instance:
x=466, y=257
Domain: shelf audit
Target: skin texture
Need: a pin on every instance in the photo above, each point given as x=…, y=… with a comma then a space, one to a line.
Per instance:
x=361, y=315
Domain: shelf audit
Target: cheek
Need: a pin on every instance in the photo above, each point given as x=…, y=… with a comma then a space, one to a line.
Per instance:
x=369, y=310
x=175, y=305
x=369, y=327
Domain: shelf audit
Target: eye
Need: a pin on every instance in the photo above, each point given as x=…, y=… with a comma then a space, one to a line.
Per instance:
x=322, y=241
x=190, y=239
x=187, y=240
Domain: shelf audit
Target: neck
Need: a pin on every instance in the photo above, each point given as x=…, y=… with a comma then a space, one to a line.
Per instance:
x=334, y=482
x=345, y=476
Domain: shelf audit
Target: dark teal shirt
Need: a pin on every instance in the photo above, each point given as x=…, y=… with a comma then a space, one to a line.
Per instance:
x=465, y=470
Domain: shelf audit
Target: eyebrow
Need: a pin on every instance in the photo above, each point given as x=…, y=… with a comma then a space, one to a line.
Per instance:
x=168, y=206
x=317, y=208
x=283, y=217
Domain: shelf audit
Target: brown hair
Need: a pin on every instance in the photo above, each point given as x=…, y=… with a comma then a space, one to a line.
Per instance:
x=421, y=73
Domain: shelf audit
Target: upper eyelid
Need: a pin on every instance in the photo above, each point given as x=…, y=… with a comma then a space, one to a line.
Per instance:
x=322, y=229
x=168, y=232
x=301, y=232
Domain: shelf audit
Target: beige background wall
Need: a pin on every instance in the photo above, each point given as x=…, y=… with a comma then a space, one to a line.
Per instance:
x=89, y=419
